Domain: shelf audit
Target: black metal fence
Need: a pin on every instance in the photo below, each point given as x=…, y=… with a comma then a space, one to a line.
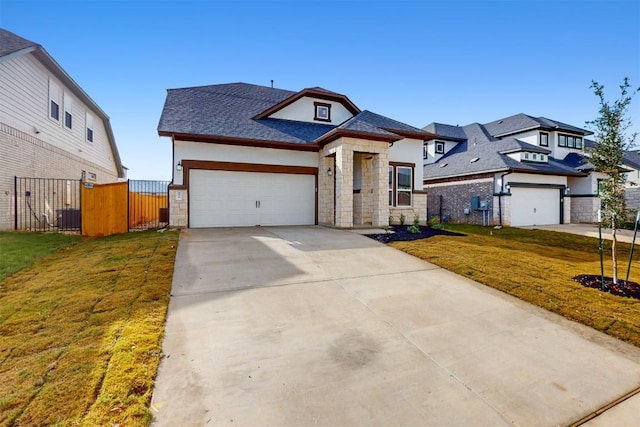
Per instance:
x=47, y=204
x=148, y=204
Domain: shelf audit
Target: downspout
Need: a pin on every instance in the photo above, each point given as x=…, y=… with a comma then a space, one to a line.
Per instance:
x=500, y=197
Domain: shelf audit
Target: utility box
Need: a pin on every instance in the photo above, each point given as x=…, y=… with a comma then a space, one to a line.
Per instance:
x=68, y=219
x=484, y=205
x=475, y=203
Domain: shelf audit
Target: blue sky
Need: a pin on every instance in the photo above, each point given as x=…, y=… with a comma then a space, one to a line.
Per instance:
x=454, y=62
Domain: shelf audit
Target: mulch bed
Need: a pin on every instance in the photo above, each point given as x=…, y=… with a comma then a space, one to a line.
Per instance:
x=400, y=233
x=623, y=288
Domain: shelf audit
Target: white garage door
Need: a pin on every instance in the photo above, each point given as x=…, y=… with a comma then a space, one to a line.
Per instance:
x=535, y=206
x=227, y=199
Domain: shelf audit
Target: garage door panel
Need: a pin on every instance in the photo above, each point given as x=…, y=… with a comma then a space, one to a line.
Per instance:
x=225, y=199
x=535, y=206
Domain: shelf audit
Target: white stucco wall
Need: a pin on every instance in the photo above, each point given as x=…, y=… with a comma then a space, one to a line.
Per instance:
x=583, y=185
x=431, y=150
x=303, y=110
x=189, y=150
x=530, y=137
x=409, y=151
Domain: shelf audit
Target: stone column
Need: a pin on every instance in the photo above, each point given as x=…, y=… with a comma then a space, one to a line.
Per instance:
x=380, y=202
x=325, y=190
x=344, y=186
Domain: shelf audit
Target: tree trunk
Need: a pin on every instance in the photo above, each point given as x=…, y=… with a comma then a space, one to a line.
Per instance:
x=614, y=258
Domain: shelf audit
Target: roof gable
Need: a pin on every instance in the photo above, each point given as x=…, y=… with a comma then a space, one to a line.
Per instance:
x=312, y=93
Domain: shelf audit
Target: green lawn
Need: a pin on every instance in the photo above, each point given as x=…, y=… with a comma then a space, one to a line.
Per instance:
x=537, y=266
x=81, y=329
x=20, y=250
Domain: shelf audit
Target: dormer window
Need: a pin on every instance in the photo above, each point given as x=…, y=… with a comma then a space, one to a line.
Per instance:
x=544, y=139
x=322, y=112
x=439, y=147
x=569, y=141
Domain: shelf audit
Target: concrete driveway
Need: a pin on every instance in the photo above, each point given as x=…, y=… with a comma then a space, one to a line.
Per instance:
x=314, y=326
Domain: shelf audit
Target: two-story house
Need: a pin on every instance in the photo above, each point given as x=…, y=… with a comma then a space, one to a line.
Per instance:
x=246, y=155
x=520, y=170
x=49, y=128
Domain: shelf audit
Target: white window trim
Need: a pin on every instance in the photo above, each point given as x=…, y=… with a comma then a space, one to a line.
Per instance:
x=89, y=125
x=54, y=95
x=391, y=185
x=68, y=108
x=409, y=191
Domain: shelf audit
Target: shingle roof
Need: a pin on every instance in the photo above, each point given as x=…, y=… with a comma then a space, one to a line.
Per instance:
x=10, y=43
x=227, y=110
x=488, y=156
x=578, y=161
x=520, y=122
x=476, y=133
x=446, y=131
x=233, y=111
x=369, y=122
x=632, y=158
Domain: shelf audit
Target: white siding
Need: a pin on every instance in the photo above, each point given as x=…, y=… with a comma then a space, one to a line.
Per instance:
x=24, y=105
x=303, y=110
x=189, y=150
x=409, y=151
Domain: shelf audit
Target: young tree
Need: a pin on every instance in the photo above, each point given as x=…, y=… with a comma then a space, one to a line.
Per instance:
x=611, y=142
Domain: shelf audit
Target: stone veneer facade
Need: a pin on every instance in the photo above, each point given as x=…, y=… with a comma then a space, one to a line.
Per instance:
x=583, y=209
x=342, y=153
x=178, y=207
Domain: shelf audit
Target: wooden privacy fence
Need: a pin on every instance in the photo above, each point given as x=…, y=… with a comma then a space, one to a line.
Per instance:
x=124, y=206
x=104, y=208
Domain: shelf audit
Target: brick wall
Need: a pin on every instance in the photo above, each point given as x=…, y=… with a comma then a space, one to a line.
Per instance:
x=456, y=197
x=26, y=156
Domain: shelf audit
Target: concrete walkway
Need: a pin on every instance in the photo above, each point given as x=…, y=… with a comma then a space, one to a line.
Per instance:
x=589, y=230
x=315, y=326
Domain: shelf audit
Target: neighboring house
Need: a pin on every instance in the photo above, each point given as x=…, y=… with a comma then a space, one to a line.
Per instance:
x=520, y=170
x=246, y=155
x=631, y=162
x=49, y=127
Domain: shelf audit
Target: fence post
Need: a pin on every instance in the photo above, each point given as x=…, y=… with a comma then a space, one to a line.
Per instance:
x=128, y=205
x=15, y=202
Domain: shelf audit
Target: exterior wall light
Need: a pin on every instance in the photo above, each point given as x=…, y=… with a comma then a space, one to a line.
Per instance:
x=179, y=166
x=329, y=172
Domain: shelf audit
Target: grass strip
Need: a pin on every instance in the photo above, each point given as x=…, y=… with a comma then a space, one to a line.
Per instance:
x=81, y=332
x=537, y=266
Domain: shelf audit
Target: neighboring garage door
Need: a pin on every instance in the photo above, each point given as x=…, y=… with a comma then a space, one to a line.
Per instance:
x=226, y=199
x=535, y=206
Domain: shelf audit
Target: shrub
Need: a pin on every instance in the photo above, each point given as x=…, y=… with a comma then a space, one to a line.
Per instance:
x=402, y=219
